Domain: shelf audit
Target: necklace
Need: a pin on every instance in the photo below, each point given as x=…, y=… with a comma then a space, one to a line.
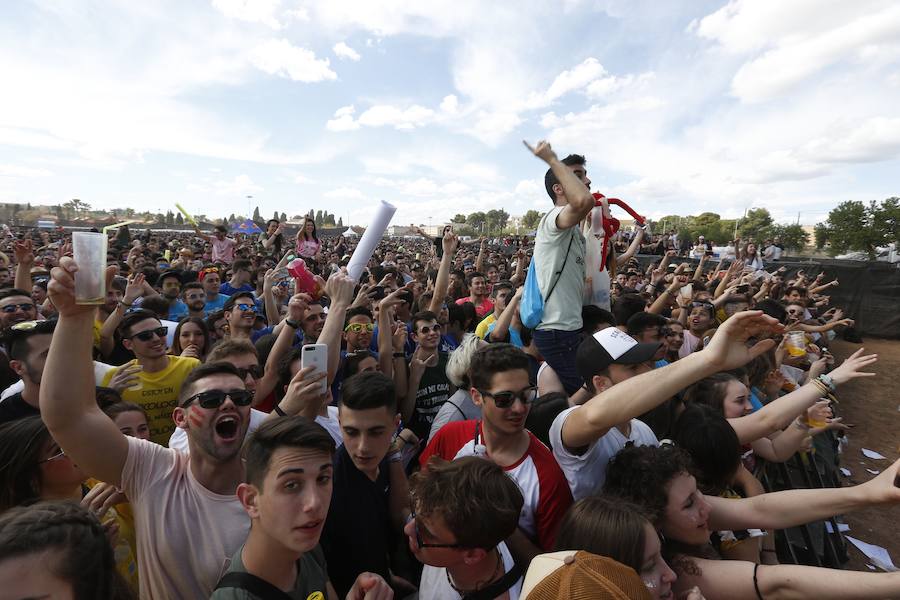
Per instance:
x=478, y=584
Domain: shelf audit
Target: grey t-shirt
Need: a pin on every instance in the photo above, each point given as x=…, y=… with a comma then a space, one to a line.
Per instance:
x=562, y=310
x=312, y=577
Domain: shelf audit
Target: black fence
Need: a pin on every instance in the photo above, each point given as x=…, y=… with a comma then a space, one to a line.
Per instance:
x=869, y=292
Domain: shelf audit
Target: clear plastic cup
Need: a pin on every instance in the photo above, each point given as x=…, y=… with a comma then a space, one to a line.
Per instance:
x=89, y=252
x=796, y=344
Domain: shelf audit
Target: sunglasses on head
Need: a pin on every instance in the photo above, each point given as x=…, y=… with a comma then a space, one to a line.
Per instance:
x=359, y=327
x=146, y=336
x=24, y=307
x=210, y=269
x=215, y=398
x=506, y=399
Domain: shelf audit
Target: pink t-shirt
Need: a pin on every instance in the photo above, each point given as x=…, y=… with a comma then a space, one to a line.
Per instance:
x=307, y=248
x=223, y=250
x=186, y=534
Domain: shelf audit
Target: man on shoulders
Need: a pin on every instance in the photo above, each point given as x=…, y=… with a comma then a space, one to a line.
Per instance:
x=240, y=278
x=559, y=262
x=222, y=246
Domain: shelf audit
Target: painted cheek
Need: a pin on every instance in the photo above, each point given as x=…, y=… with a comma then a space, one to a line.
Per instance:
x=195, y=417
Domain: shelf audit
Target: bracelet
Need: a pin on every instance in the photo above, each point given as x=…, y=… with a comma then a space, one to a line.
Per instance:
x=292, y=323
x=821, y=386
x=828, y=382
x=123, y=303
x=277, y=410
x=399, y=355
x=800, y=424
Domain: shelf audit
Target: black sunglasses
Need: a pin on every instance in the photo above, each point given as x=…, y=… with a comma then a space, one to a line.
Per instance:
x=24, y=307
x=420, y=543
x=255, y=372
x=215, y=398
x=506, y=399
x=146, y=336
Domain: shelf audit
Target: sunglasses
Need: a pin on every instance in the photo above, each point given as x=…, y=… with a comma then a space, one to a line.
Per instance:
x=255, y=372
x=245, y=307
x=359, y=327
x=56, y=456
x=195, y=296
x=506, y=399
x=425, y=330
x=24, y=307
x=420, y=543
x=696, y=304
x=146, y=336
x=215, y=398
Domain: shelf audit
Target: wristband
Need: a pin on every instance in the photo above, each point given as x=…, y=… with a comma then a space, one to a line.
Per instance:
x=399, y=355
x=277, y=410
x=800, y=424
x=292, y=323
x=828, y=381
x=395, y=456
x=123, y=303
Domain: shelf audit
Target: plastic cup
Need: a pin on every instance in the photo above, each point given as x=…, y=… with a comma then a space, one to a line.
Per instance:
x=89, y=252
x=796, y=344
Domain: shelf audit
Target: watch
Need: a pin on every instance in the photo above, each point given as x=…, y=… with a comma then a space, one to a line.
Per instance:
x=292, y=323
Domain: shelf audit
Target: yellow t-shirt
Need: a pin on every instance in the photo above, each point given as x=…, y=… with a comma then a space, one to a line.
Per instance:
x=125, y=548
x=157, y=393
x=482, y=329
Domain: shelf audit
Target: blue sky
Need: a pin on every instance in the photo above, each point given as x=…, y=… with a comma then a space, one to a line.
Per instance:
x=680, y=107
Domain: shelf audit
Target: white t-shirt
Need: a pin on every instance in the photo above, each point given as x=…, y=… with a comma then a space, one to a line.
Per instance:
x=179, y=440
x=186, y=534
x=434, y=584
x=586, y=473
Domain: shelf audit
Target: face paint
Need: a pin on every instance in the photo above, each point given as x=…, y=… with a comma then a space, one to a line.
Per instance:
x=195, y=417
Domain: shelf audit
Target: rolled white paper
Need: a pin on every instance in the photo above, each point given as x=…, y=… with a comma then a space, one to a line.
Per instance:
x=374, y=232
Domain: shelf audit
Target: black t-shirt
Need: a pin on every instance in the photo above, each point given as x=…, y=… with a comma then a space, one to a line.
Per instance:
x=14, y=407
x=357, y=534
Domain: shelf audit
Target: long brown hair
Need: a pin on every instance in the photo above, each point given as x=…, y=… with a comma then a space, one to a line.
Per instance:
x=606, y=526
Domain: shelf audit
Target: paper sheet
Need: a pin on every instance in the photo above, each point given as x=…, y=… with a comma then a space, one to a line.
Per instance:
x=842, y=527
x=374, y=232
x=872, y=454
x=878, y=555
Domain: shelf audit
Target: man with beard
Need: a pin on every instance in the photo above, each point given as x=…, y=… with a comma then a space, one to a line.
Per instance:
x=27, y=343
x=240, y=312
x=194, y=298
x=170, y=286
x=157, y=376
x=478, y=295
x=16, y=306
x=184, y=505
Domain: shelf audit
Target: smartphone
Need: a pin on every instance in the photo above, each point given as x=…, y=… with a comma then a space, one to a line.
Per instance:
x=377, y=292
x=316, y=355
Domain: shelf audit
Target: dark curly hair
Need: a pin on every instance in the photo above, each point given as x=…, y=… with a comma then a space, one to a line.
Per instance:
x=713, y=445
x=641, y=474
x=81, y=554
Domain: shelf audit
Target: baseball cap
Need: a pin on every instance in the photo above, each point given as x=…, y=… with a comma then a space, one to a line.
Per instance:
x=609, y=346
x=581, y=575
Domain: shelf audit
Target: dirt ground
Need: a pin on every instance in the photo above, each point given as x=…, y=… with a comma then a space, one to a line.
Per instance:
x=873, y=405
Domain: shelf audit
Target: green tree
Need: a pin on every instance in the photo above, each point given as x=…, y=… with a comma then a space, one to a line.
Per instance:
x=283, y=217
x=318, y=218
x=340, y=222
x=179, y=220
x=328, y=220
x=821, y=233
x=256, y=216
x=792, y=236
x=170, y=218
x=887, y=220
x=754, y=223
x=852, y=226
x=60, y=216
x=160, y=219
x=476, y=220
x=531, y=219
x=459, y=218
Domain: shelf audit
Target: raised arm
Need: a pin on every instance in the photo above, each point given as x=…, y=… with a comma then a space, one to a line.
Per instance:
x=501, y=327
x=779, y=510
x=482, y=252
x=67, y=400
x=639, y=394
x=442, y=281
x=633, y=248
x=24, y=260
x=133, y=291
x=339, y=289
x=200, y=234
x=581, y=201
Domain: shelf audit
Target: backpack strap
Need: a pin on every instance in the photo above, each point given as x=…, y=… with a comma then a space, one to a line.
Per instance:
x=254, y=585
x=559, y=273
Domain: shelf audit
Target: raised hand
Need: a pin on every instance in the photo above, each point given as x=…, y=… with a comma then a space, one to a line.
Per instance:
x=304, y=395
x=134, y=289
x=61, y=288
x=450, y=243
x=728, y=347
x=542, y=150
x=125, y=377
x=851, y=368
x=102, y=497
x=339, y=288
x=24, y=251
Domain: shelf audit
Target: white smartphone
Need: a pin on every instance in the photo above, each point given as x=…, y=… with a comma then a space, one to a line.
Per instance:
x=316, y=355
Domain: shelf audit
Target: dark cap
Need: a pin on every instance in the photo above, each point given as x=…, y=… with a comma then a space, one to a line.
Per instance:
x=610, y=346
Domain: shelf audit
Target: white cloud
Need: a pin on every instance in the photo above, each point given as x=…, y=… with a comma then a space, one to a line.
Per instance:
x=238, y=187
x=342, y=50
x=252, y=11
x=280, y=57
x=346, y=193
x=568, y=81
x=343, y=120
x=19, y=171
x=422, y=187
x=450, y=104
x=381, y=115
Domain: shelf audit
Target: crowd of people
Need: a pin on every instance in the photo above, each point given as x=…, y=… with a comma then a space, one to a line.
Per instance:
x=177, y=440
